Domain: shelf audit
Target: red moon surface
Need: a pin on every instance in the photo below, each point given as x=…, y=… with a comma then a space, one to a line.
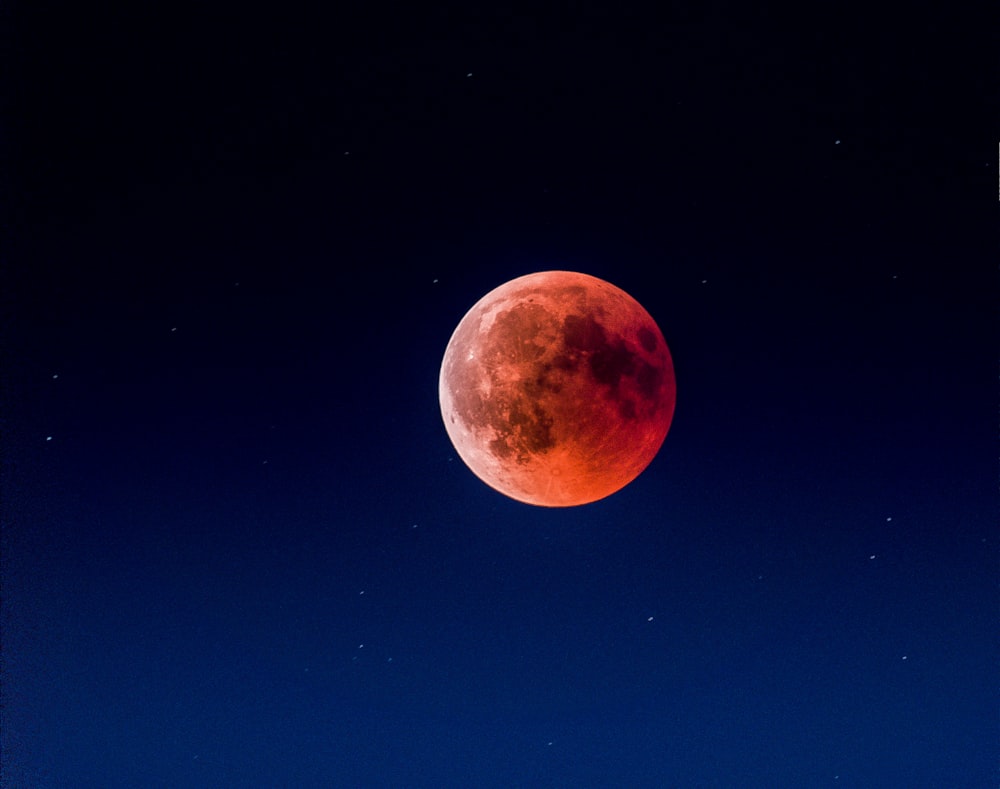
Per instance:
x=557, y=389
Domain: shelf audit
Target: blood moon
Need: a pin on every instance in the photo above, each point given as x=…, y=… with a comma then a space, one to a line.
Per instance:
x=557, y=389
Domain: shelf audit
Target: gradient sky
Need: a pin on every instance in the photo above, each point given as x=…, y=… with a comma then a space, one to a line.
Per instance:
x=238, y=547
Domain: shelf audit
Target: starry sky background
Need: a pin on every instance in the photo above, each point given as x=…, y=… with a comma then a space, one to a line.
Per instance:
x=238, y=548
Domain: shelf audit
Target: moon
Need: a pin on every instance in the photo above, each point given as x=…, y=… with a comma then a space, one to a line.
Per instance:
x=557, y=389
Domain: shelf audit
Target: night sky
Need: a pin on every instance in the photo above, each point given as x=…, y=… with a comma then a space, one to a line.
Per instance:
x=238, y=548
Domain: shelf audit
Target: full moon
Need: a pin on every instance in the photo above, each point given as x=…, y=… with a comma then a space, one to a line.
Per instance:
x=557, y=389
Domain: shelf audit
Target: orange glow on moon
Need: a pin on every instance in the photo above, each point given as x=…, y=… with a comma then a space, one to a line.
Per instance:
x=557, y=389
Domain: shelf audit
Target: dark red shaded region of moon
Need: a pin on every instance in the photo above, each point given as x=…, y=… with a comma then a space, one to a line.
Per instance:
x=557, y=389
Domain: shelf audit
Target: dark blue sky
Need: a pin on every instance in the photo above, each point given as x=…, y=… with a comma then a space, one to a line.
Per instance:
x=238, y=547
